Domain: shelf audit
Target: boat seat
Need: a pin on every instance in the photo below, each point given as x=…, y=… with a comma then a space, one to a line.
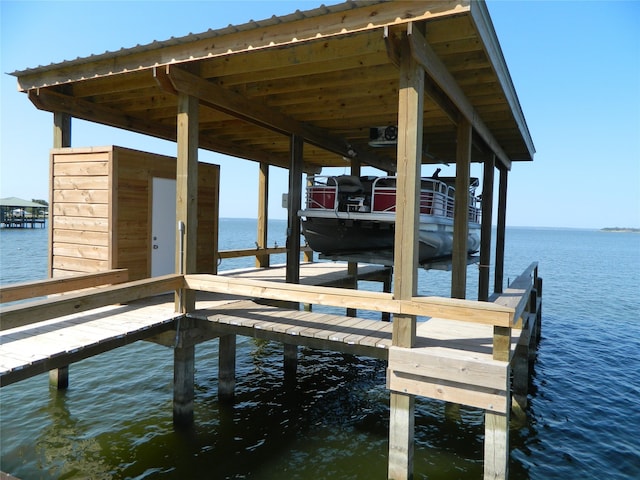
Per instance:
x=349, y=184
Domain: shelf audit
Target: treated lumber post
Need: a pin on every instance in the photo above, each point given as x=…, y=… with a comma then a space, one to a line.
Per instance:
x=226, y=368
x=485, y=228
x=521, y=370
x=187, y=196
x=61, y=130
x=290, y=361
x=183, y=385
x=501, y=231
x=185, y=255
x=59, y=377
x=352, y=267
x=410, y=118
x=386, y=287
x=496, y=446
x=262, y=261
x=496, y=425
x=352, y=271
x=461, y=211
x=294, y=202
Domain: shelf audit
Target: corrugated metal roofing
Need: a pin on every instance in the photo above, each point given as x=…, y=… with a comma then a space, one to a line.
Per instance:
x=328, y=74
x=191, y=37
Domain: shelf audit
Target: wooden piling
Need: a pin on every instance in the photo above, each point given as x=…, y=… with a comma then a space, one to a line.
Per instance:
x=226, y=368
x=461, y=211
x=183, y=386
x=59, y=378
x=262, y=261
x=500, y=231
x=410, y=118
x=485, y=234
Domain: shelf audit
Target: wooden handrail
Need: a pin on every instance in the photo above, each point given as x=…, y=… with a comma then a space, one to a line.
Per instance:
x=450, y=308
x=28, y=313
x=250, y=252
x=517, y=295
x=41, y=288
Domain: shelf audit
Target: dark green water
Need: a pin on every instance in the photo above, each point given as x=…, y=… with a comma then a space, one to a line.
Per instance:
x=115, y=419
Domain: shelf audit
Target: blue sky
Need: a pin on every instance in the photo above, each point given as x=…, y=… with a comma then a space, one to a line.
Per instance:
x=575, y=66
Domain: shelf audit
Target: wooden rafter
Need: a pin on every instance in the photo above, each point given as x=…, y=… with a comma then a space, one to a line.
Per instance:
x=435, y=69
x=234, y=104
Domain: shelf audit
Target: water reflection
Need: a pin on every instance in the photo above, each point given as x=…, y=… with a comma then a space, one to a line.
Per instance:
x=64, y=446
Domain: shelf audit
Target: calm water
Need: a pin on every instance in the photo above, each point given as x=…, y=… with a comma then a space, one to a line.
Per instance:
x=115, y=419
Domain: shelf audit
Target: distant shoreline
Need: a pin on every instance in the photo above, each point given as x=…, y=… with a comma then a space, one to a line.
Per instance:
x=620, y=230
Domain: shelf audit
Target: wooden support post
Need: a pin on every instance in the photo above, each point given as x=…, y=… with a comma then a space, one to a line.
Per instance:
x=185, y=255
x=183, y=386
x=352, y=270
x=538, y=326
x=226, y=368
x=496, y=425
x=61, y=130
x=262, y=261
x=187, y=196
x=386, y=287
x=290, y=361
x=520, y=385
x=485, y=228
x=59, y=377
x=293, y=205
x=293, y=238
x=496, y=446
x=410, y=118
x=461, y=211
x=501, y=231
x=352, y=267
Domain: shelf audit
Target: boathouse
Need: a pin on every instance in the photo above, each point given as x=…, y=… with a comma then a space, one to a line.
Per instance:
x=302, y=91
x=18, y=213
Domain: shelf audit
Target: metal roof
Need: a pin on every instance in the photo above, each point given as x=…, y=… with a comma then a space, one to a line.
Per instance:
x=328, y=74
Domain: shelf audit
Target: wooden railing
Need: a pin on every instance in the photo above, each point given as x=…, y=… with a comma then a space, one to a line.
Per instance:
x=41, y=288
x=256, y=252
x=39, y=310
x=481, y=312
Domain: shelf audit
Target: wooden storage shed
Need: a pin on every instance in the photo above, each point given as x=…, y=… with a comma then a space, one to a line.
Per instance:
x=103, y=201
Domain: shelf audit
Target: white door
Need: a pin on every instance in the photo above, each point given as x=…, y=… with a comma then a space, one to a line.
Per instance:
x=163, y=226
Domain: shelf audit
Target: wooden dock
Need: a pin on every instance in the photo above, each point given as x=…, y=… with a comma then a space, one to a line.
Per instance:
x=36, y=348
x=471, y=353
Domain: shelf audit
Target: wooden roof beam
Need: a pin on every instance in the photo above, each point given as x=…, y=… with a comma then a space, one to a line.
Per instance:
x=438, y=72
x=53, y=101
x=174, y=79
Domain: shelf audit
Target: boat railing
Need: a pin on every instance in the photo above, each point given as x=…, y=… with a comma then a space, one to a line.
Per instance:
x=349, y=193
x=322, y=193
x=436, y=197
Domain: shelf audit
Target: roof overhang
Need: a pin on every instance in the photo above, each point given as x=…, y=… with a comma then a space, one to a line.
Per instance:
x=328, y=75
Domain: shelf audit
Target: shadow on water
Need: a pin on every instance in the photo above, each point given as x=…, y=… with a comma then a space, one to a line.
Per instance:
x=332, y=423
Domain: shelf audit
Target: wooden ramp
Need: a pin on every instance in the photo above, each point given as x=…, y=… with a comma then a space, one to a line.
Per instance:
x=43, y=346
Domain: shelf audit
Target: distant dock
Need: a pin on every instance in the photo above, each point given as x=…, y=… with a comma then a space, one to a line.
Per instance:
x=18, y=213
x=23, y=223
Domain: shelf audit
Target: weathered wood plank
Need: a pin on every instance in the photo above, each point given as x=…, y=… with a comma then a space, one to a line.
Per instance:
x=24, y=314
x=40, y=288
x=447, y=391
x=374, y=301
x=453, y=365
